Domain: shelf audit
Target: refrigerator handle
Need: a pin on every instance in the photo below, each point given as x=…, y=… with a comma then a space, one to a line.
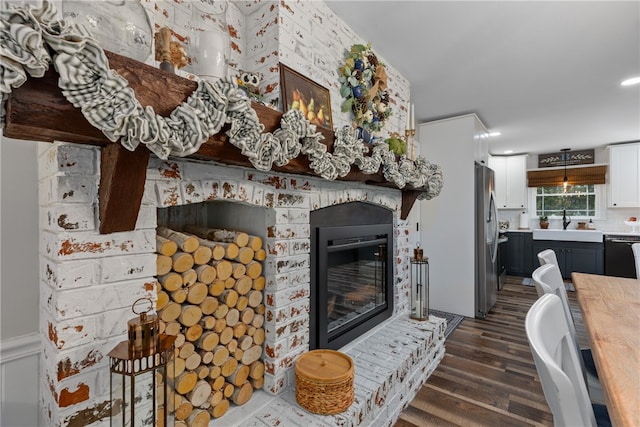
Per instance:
x=493, y=222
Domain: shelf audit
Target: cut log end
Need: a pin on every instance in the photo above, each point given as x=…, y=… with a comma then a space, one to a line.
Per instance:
x=220, y=409
x=242, y=394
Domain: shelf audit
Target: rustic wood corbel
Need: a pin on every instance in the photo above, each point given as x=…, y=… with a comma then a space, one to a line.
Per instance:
x=123, y=174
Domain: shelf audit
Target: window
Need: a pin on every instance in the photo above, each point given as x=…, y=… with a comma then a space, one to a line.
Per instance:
x=578, y=200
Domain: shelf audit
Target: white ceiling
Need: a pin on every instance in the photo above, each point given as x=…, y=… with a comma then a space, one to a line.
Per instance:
x=545, y=74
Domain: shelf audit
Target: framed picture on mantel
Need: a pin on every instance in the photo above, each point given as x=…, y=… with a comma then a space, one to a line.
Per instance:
x=301, y=93
x=578, y=157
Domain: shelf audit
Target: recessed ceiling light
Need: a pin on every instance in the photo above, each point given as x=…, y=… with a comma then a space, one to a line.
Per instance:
x=631, y=81
x=508, y=151
x=495, y=133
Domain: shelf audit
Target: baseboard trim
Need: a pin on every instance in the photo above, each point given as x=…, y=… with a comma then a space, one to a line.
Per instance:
x=19, y=347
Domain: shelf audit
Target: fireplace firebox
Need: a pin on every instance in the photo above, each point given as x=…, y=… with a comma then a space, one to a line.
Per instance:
x=351, y=272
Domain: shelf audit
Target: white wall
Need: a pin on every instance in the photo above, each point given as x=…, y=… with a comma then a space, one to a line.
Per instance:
x=19, y=283
x=447, y=222
x=19, y=278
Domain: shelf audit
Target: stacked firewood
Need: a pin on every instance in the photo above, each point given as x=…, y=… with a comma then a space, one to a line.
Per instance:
x=210, y=296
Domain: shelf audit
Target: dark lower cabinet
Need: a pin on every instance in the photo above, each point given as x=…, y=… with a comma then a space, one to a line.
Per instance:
x=580, y=257
x=519, y=253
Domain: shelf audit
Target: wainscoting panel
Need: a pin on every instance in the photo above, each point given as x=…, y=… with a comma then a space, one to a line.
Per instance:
x=19, y=368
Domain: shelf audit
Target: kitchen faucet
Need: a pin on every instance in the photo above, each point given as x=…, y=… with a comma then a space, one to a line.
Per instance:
x=565, y=222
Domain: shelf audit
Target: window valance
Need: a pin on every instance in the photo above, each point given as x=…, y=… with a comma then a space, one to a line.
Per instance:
x=577, y=176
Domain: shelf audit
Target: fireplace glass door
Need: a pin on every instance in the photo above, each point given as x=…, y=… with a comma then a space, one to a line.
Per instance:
x=354, y=281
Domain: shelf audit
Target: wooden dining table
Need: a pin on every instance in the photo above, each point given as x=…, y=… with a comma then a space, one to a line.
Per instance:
x=610, y=309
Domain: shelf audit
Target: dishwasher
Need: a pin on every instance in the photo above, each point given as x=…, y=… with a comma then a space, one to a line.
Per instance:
x=618, y=256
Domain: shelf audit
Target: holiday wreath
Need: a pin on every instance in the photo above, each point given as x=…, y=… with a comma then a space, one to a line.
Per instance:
x=363, y=80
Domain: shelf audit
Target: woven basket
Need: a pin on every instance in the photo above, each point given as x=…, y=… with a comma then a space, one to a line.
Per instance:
x=324, y=382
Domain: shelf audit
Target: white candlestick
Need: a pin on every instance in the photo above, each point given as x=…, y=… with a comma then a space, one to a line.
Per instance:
x=413, y=116
x=408, y=116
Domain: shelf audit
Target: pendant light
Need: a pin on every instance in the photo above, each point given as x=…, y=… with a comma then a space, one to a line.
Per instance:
x=565, y=156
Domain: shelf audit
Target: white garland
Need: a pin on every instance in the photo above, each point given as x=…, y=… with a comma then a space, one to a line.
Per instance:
x=109, y=104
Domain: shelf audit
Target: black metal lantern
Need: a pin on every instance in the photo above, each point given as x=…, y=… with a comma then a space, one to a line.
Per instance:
x=419, y=285
x=139, y=386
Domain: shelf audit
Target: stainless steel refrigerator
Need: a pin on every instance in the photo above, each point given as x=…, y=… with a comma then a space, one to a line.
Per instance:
x=486, y=241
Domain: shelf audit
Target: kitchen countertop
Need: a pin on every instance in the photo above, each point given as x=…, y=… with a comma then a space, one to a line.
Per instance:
x=530, y=230
x=622, y=233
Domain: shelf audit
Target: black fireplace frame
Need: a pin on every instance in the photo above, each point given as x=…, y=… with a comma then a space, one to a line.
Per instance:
x=343, y=222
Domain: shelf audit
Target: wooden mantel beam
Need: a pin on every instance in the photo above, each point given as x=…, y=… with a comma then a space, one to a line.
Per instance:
x=38, y=111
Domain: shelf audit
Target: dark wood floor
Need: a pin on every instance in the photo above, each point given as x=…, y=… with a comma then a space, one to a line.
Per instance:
x=487, y=376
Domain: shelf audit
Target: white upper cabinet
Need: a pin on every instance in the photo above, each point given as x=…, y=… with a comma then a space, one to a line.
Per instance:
x=480, y=144
x=624, y=175
x=499, y=166
x=510, y=181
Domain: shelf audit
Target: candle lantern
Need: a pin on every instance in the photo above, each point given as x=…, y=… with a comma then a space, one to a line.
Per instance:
x=139, y=387
x=419, y=285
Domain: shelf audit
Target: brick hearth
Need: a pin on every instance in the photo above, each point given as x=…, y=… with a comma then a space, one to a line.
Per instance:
x=392, y=362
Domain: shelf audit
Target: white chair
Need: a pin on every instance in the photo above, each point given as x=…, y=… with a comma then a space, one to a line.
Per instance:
x=548, y=256
x=547, y=280
x=636, y=254
x=558, y=366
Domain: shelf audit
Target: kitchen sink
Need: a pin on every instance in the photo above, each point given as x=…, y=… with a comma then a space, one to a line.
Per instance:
x=568, y=235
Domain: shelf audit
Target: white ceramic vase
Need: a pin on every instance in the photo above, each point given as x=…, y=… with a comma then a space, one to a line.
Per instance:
x=209, y=46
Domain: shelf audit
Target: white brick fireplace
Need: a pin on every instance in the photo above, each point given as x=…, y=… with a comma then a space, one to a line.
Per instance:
x=90, y=280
